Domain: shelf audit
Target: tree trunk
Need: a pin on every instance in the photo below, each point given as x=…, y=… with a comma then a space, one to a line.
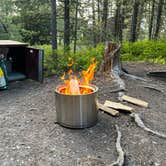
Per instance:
x=94, y=23
x=54, y=28
x=151, y=20
x=75, y=27
x=98, y=10
x=66, y=25
x=134, y=21
x=141, y=11
x=117, y=20
x=54, y=25
x=158, y=21
x=104, y=19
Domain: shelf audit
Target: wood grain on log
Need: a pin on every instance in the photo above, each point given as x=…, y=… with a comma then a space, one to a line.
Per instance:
x=118, y=106
x=135, y=101
x=108, y=110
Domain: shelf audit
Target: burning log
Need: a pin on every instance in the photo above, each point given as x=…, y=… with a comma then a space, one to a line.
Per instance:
x=118, y=106
x=134, y=101
x=121, y=154
x=108, y=110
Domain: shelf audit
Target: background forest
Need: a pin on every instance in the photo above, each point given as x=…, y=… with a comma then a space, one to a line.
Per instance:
x=81, y=28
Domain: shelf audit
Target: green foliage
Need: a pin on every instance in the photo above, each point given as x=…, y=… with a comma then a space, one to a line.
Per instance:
x=150, y=51
x=82, y=58
x=146, y=51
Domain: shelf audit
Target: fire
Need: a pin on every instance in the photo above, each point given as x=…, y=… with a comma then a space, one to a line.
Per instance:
x=75, y=85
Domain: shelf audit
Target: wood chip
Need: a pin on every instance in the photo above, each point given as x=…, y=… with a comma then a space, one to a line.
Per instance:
x=118, y=106
x=108, y=110
x=135, y=101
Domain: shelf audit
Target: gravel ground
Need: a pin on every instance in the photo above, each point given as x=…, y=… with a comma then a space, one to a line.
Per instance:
x=30, y=136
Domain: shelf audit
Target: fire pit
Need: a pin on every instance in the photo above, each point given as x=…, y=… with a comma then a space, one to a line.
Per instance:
x=76, y=111
x=76, y=99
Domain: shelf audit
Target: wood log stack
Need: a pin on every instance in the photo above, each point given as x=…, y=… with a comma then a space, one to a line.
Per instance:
x=113, y=108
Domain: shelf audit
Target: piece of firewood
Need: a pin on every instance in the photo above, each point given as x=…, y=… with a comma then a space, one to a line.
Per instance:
x=121, y=154
x=108, y=110
x=118, y=106
x=135, y=101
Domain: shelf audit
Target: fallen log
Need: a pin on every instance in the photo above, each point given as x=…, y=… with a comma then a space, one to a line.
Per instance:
x=118, y=106
x=134, y=101
x=108, y=110
x=140, y=123
x=121, y=154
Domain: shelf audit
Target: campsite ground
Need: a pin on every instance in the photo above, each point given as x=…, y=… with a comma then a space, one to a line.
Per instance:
x=30, y=136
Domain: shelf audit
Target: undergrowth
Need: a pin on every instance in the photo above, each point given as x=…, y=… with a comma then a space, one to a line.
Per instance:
x=144, y=51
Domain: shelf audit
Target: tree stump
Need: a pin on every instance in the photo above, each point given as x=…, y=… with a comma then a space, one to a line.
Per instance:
x=111, y=59
x=111, y=64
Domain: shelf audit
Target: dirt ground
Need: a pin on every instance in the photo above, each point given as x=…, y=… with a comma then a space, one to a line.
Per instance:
x=30, y=136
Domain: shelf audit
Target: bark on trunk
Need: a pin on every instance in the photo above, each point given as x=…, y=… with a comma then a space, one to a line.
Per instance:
x=141, y=11
x=94, y=23
x=134, y=20
x=158, y=21
x=75, y=27
x=67, y=24
x=151, y=21
x=104, y=19
x=54, y=29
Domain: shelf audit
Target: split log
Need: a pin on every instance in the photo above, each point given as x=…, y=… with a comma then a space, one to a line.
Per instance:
x=118, y=106
x=140, y=123
x=121, y=154
x=108, y=110
x=135, y=101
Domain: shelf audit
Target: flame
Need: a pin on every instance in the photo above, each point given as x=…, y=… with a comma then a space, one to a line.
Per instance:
x=74, y=85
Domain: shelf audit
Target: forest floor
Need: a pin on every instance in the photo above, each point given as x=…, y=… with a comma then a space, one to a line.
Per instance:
x=30, y=136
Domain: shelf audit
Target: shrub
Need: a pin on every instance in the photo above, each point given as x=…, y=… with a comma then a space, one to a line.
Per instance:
x=146, y=51
x=82, y=58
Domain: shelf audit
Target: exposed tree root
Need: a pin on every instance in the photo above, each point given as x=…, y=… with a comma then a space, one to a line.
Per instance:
x=140, y=123
x=153, y=87
x=134, y=77
x=120, y=159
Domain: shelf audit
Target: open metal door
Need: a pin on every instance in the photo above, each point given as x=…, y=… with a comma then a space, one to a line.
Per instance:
x=34, y=63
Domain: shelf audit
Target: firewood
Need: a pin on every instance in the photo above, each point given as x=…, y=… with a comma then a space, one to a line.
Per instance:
x=121, y=154
x=107, y=110
x=135, y=101
x=118, y=106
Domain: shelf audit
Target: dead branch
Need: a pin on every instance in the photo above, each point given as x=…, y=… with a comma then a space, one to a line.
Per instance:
x=121, y=154
x=153, y=87
x=140, y=123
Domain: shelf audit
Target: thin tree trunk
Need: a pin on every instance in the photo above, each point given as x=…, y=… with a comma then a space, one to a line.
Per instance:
x=117, y=20
x=151, y=21
x=94, y=23
x=98, y=10
x=158, y=21
x=67, y=25
x=54, y=29
x=104, y=19
x=141, y=11
x=75, y=27
x=134, y=21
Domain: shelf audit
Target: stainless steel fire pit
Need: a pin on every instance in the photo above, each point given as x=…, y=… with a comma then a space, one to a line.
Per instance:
x=76, y=111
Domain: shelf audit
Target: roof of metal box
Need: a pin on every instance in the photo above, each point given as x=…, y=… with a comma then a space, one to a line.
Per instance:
x=8, y=43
